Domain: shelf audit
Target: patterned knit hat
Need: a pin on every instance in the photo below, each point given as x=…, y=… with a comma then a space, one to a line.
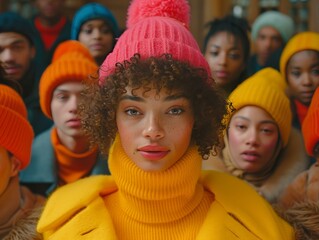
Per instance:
x=265, y=89
x=89, y=12
x=13, y=22
x=310, y=125
x=156, y=27
x=277, y=20
x=16, y=133
x=71, y=62
x=299, y=42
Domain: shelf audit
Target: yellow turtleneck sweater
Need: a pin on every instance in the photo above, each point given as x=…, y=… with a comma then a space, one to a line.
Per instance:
x=157, y=205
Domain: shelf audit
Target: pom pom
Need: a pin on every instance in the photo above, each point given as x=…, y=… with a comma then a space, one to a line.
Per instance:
x=141, y=9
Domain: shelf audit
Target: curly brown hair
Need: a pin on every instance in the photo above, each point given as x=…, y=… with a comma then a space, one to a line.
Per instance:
x=101, y=97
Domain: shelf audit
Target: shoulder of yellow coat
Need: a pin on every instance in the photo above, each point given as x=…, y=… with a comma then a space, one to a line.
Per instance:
x=240, y=200
x=66, y=201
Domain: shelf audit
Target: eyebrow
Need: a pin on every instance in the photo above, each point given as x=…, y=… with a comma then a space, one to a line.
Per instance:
x=140, y=99
x=264, y=121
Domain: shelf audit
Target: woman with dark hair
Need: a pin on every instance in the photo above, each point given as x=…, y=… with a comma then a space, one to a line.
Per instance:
x=227, y=49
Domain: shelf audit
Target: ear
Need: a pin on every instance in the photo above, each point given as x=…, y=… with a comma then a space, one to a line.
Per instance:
x=15, y=166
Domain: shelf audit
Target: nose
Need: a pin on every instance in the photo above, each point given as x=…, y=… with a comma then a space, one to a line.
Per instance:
x=96, y=33
x=6, y=55
x=306, y=80
x=153, y=128
x=252, y=137
x=73, y=104
x=222, y=59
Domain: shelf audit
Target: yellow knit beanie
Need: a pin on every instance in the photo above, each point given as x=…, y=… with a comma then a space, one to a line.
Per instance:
x=265, y=89
x=71, y=61
x=301, y=41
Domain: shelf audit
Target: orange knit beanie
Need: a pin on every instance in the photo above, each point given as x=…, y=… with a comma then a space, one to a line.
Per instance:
x=16, y=133
x=310, y=125
x=71, y=62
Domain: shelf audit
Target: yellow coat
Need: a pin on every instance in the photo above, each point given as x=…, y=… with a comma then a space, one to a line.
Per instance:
x=76, y=211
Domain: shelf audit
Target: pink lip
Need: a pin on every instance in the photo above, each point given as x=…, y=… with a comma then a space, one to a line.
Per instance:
x=75, y=123
x=250, y=156
x=96, y=47
x=11, y=70
x=153, y=152
x=221, y=74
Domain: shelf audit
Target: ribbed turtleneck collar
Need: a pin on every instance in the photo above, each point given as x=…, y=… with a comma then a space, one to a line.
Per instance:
x=157, y=197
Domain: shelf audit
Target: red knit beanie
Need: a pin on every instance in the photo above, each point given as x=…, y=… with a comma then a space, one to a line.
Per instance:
x=310, y=125
x=71, y=62
x=154, y=28
x=16, y=133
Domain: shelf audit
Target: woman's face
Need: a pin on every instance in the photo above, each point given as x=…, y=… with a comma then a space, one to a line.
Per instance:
x=303, y=75
x=253, y=137
x=155, y=130
x=98, y=37
x=225, y=56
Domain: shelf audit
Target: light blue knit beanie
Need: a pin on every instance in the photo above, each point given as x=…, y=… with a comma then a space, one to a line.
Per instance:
x=279, y=21
x=92, y=11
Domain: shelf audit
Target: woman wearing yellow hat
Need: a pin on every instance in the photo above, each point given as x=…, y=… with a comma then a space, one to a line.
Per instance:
x=260, y=146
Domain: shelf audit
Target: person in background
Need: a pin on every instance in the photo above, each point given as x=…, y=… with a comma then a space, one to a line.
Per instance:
x=51, y=27
x=260, y=146
x=299, y=203
x=20, y=208
x=299, y=66
x=227, y=49
x=62, y=155
x=157, y=108
x=95, y=27
x=270, y=32
x=18, y=66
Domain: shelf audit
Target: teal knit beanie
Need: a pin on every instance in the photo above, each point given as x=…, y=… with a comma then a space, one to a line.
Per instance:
x=89, y=12
x=13, y=22
x=279, y=21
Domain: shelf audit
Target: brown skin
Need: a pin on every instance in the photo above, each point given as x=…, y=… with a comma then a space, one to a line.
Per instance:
x=99, y=105
x=50, y=11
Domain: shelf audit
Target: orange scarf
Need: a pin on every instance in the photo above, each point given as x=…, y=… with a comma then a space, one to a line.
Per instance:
x=72, y=166
x=301, y=111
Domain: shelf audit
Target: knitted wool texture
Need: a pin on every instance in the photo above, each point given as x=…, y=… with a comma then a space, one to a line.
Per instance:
x=13, y=22
x=93, y=11
x=71, y=62
x=277, y=20
x=299, y=42
x=310, y=125
x=164, y=29
x=265, y=89
x=16, y=133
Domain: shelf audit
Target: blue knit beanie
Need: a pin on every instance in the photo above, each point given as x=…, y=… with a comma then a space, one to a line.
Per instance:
x=92, y=11
x=279, y=21
x=13, y=22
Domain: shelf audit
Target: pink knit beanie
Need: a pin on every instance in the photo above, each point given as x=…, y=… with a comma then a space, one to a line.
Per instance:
x=154, y=28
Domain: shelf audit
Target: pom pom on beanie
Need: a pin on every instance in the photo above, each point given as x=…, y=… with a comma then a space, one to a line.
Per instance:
x=71, y=62
x=16, y=133
x=264, y=89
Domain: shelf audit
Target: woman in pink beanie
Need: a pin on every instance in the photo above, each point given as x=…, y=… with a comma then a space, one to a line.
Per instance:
x=156, y=112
